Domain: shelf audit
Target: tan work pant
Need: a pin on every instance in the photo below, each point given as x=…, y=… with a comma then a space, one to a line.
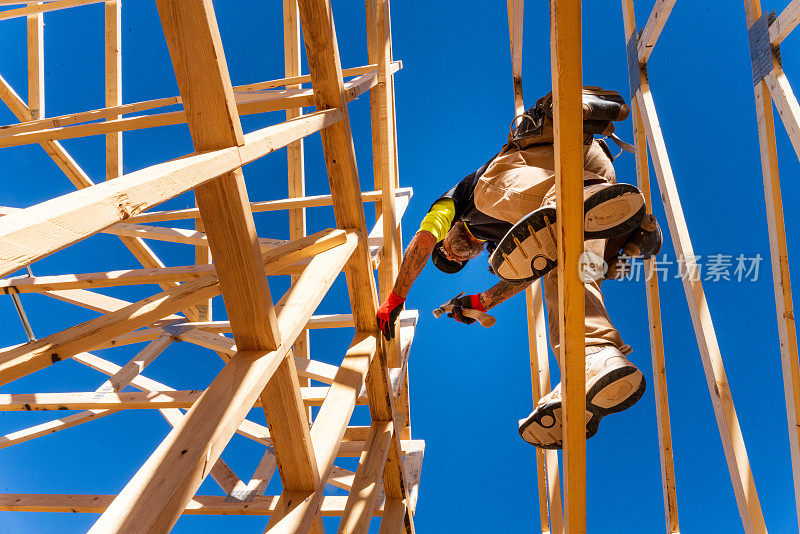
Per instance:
x=517, y=183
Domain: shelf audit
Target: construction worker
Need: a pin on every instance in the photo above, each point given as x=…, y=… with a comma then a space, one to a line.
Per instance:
x=507, y=206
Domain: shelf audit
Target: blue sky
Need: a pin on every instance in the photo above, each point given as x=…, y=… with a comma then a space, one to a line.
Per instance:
x=469, y=385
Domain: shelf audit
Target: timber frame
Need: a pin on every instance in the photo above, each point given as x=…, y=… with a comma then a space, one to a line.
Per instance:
x=266, y=360
x=766, y=32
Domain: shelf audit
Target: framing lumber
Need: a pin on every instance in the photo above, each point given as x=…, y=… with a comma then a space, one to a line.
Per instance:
x=551, y=514
x=786, y=104
x=727, y=421
x=246, y=104
x=35, y=35
x=330, y=506
x=258, y=207
x=24, y=359
x=164, y=486
x=112, y=112
x=565, y=24
x=54, y=224
x=652, y=30
x=764, y=93
x=654, y=314
x=784, y=24
x=39, y=8
x=363, y=498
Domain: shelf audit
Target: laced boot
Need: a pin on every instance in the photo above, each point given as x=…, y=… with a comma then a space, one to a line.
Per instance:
x=613, y=384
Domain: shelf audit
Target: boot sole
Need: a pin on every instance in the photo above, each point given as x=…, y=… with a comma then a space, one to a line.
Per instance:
x=528, y=251
x=613, y=392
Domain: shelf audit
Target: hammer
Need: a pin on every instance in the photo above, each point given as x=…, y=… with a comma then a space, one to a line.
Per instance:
x=485, y=319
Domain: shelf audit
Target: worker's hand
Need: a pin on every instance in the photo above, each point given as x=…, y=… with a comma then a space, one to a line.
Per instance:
x=469, y=302
x=388, y=314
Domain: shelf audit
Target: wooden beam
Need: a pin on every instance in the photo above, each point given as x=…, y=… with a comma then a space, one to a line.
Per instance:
x=112, y=112
x=779, y=254
x=727, y=421
x=363, y=498
x=331, y=506
x=337, y=141
x=395, y=511
x=516, y=10
x=785, y=23
x=300, y=507
x=551, y=512
x=786, y=104
x=565, y=42
x=157, y=495
x=69, y=166
x=654, y=315
x=24, y=359
x=35, y=35
x=256, y=207
x=246, y=104
x=652, y=30
x=59, y=222
x=42, y=7
x=129, y=400
x=113, y=57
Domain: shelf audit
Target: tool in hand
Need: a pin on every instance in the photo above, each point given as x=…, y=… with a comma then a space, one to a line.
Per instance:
x=483, y=318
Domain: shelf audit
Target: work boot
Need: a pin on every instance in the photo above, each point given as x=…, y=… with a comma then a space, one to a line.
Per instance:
x=613, y=384
x=644, y=242
x=528, y=250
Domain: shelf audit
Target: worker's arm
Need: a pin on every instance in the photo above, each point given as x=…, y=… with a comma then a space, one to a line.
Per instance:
x=501, y=291
x=482, y=302
x=417, y=255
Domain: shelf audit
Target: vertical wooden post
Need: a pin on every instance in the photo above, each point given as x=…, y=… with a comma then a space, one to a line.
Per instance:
x=654, y=307
x=113, y=45
x=550, y=508
x=565, y=43
x=779, y=256
x=35, y=24
x=295, y=156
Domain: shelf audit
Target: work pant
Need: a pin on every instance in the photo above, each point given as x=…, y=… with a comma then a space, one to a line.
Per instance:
x=518, y=182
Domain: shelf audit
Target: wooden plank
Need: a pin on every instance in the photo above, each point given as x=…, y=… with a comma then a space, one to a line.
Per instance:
x=35, y=232
x=785, y=23
x=516, y=10
x=199, y=61
x=118, y=380
x=328, y=430
x=565, y=42
x=394, y=515
x=38, y=8
x=113, y=59
x=727, y=421
x=35, y=36
x=112, y=112
x=24, y=359
x=247, y=104
x=129, y=400
x=654, y=317
x=331, y=506
x=157, y=495
x=551, y=512
x=779, y=255
x=255, y=207
x=337, y=141
x=295, y=155
x=786, y=104
x=69, y=166
x=652, y=30
x=366, y=490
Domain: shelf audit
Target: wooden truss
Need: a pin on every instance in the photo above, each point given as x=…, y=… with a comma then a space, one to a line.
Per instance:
x=266, y=358
x=766, y=32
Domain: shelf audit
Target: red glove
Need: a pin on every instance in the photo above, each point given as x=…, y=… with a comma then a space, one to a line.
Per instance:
x=388, y=314
x=467, y=301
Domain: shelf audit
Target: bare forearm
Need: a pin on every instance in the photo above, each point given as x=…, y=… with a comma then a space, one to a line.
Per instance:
x=417, y=255
x=501, y=292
